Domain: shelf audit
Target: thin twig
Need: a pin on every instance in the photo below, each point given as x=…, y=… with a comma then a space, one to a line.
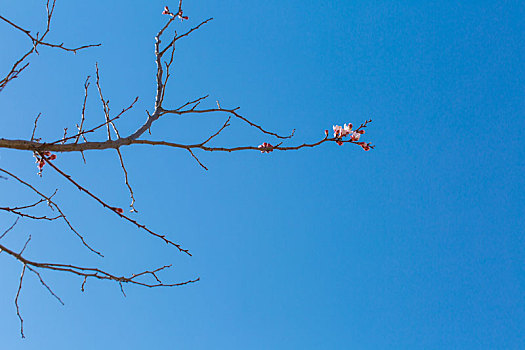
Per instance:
x=20, y=65
x=10, y=228
x=197, y=159
x=132, y=205
x=45, y=285
x=113, y=209
x=79, y=127
x=52, y=204
x=24, y=215
x=34, y=128
x=16, y=301
x=230, y=111
x=96, y=127
x=184, y=35
x=36, y=41
x=226, y=124
x=25, y=245
x=88, y=272
x=105, y=103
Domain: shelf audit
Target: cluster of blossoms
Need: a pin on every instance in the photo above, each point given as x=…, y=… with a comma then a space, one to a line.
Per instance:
x=340, y=131
x=41, y=161
x=179, y=14
x=267, y=148
x=346, y=130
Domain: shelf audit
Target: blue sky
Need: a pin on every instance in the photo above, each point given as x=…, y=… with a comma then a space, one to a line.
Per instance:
x=416, y=244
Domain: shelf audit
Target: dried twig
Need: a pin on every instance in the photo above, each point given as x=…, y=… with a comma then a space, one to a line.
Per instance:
x=88, y=272
x=34, y=128
x=10, y=228
x=105, y=103
x=113, y=209
x=16, y=300
x=53, y=205
x=132, y=205
x=197, y=159
x=20, y=65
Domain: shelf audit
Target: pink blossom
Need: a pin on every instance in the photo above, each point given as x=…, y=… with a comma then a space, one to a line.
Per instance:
x=338, y=131
x=41, y=160
x=364, y=145
x=341, y=131
x=326, y=132
x=40, y=164
x=166, y=11
x=267, y=147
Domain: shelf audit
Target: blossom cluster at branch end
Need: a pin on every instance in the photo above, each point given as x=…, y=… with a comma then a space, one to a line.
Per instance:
x=179, y=14
x=41, y=161
x=266, y=147
x=346, y=130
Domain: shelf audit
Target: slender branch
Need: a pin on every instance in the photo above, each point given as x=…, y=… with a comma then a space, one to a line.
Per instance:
x=16, y=301
x=230, y=111
x=97, y=127
x=113, y=209
x=195, y=102
x=79, y=127
x=19, y=213
x=52, y=204
x=184, y=35
x=10, y=228
x=34, y=128
x=25, y=245
x=132, y=205
x=29, y=205
x=36, y=41
x=105, y=103
x=114, y=144
x=89, y=272
x=20, y=65
x=197, y=159
x=226, y=124
x=45, y=284
x=15, y=71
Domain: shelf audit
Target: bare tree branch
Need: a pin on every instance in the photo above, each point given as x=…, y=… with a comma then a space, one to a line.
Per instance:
x=132, y=205
x=105, y=103
x=45, y=284
x=88, y=272
x=53, y=205
x=42, y=149
x=35, y=40
x=34, y=128
x=114, y=209
x=16, y=300
x=10, y=228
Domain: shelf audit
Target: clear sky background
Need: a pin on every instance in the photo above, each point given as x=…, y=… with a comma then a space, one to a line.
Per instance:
x=418, y=244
